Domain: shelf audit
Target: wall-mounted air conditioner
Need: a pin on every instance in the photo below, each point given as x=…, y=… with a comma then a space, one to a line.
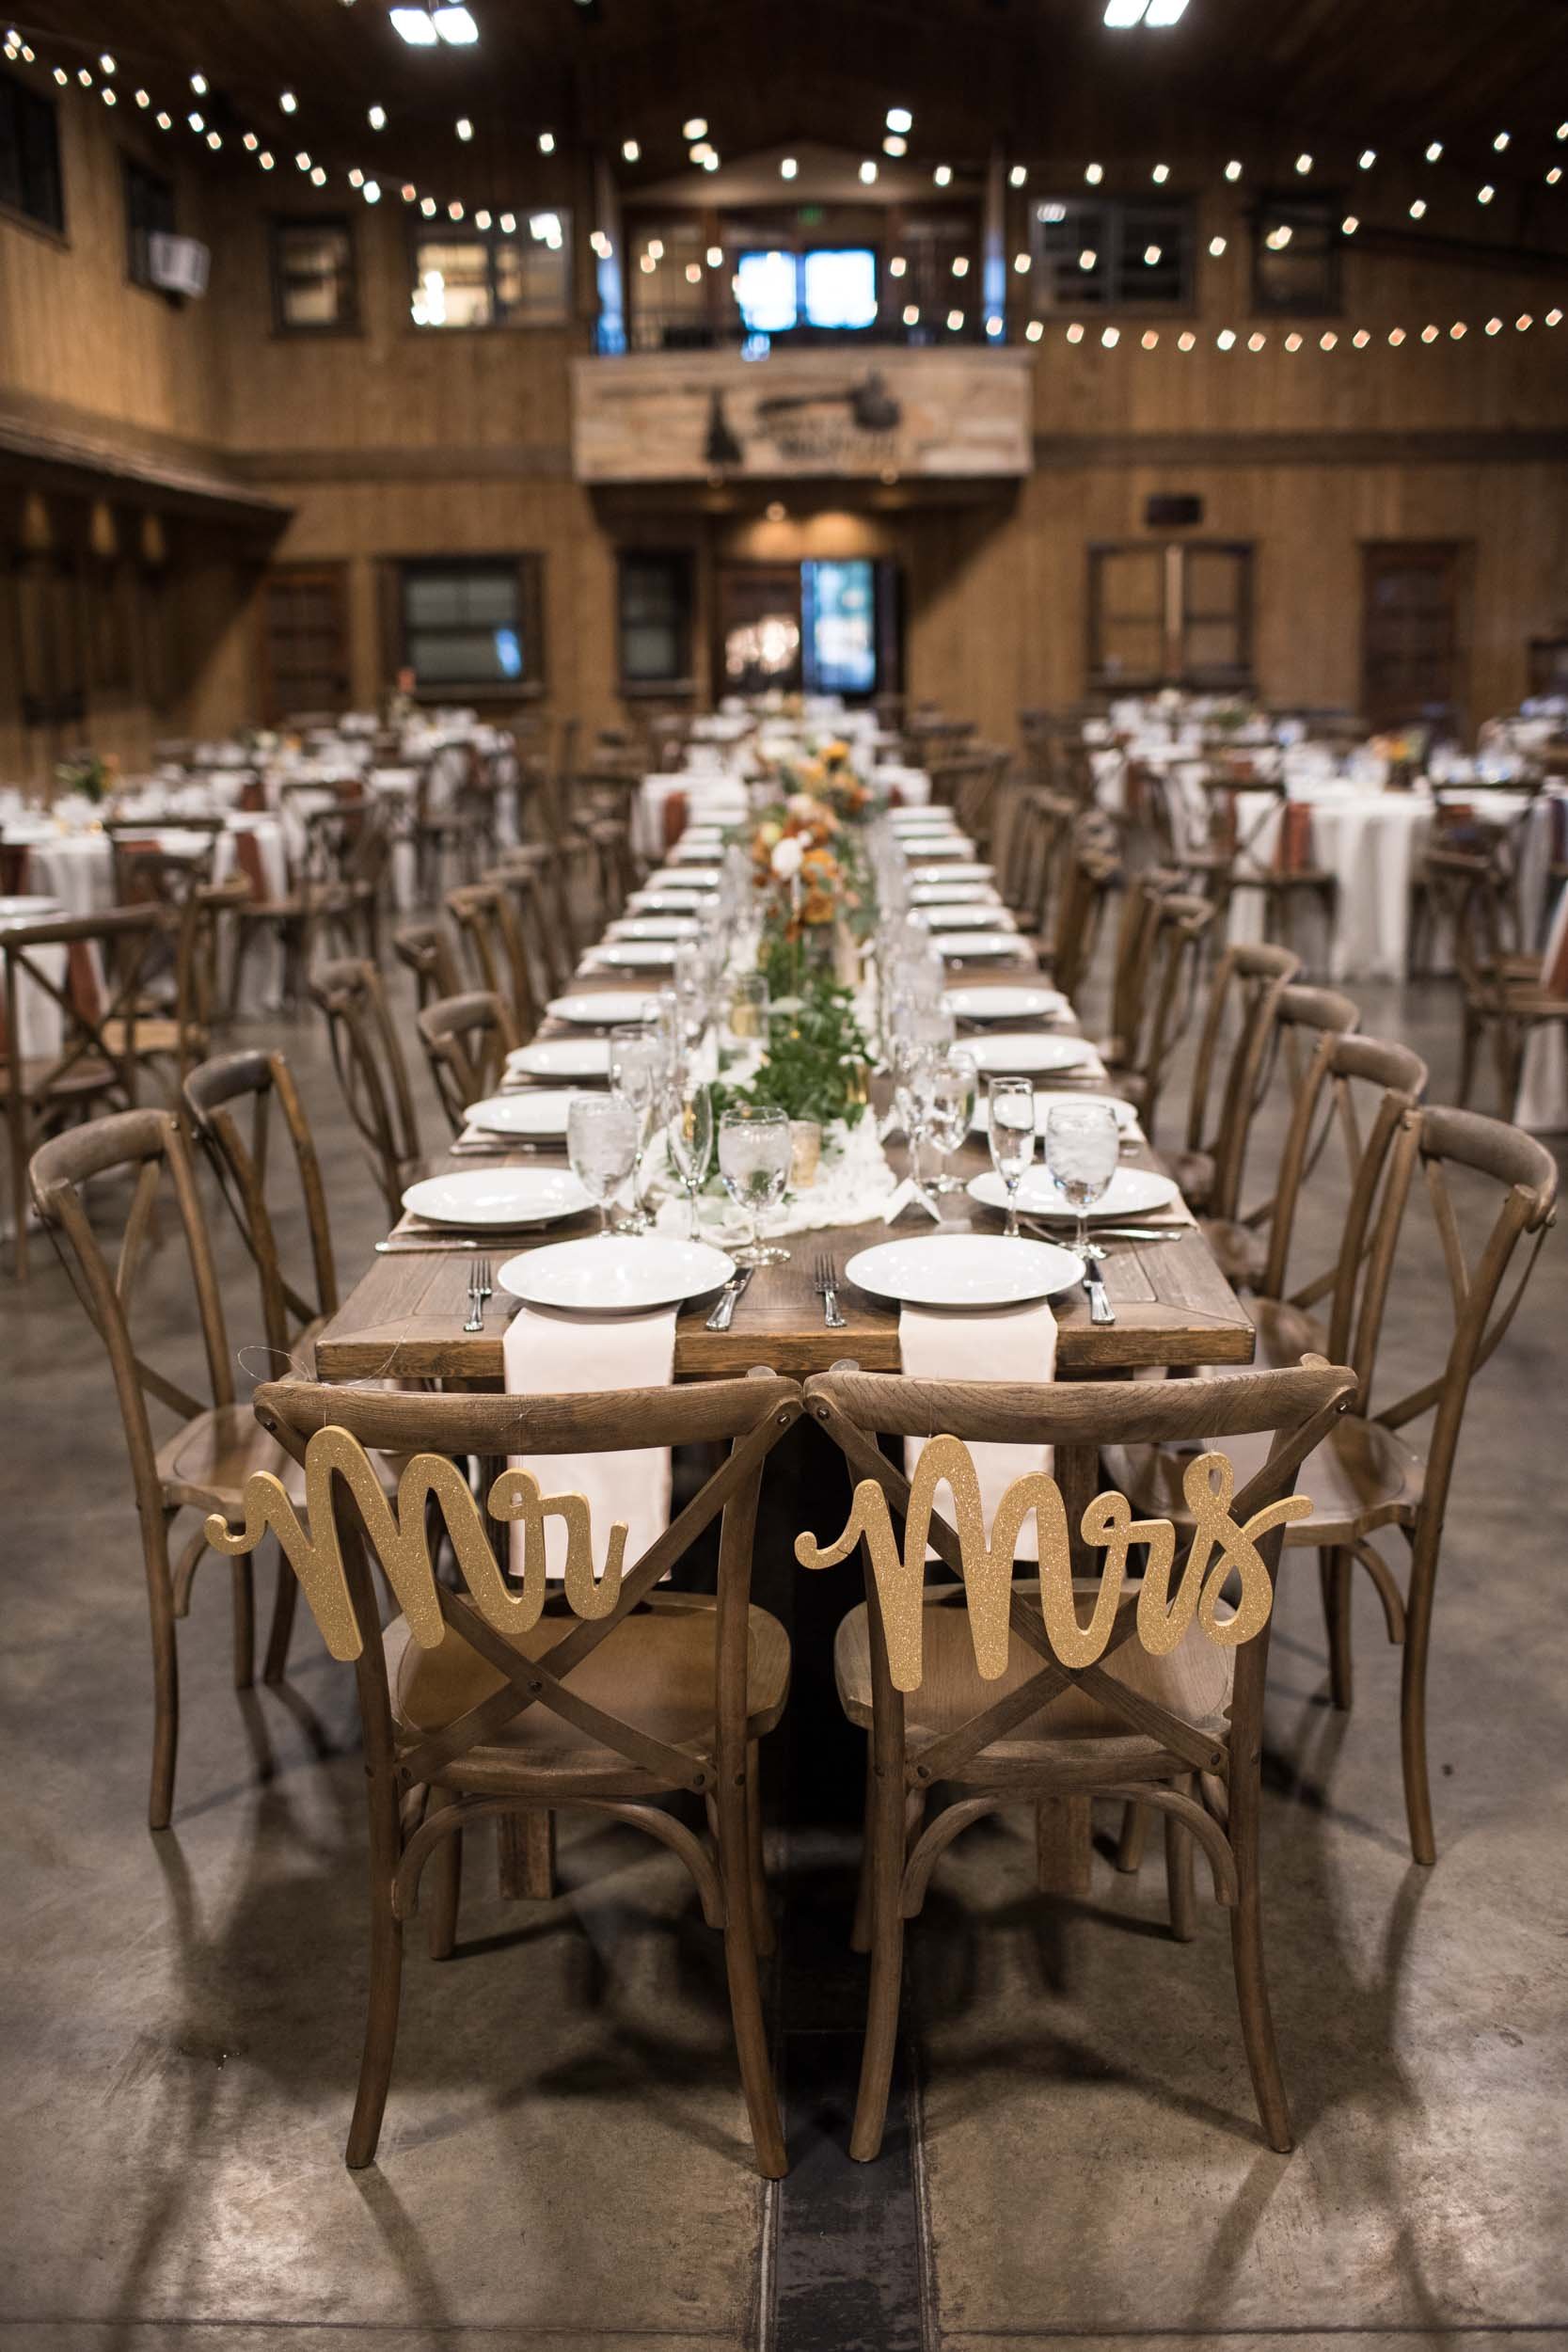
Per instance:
x=178, y=264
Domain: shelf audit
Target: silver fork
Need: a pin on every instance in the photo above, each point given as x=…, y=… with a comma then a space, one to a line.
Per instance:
x=486, y=1287
x=826, y=1286
x=476, y=1301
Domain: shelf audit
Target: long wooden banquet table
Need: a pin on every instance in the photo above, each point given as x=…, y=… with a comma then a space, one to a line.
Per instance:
x=1173, y=1307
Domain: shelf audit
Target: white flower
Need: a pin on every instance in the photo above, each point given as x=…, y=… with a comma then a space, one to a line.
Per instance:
x=801, y=805
x=787, y=858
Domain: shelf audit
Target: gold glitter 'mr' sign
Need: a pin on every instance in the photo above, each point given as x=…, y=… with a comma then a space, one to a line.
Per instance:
x=1219, y=1547
x=400, y=1538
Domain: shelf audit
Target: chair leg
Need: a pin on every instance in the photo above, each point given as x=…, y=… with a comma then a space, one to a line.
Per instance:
x=1413, y=1720
x=762, y=1917
x=1335, y=1576
x=165, y=1715
x=381, y=2031
x=275, y=1664
x=1134, y=1831
x=245, y=1623
x=443, y=1881
x=1246, y=1954
x=1179, y=1856
x=886, y=1826
x=740, y=1966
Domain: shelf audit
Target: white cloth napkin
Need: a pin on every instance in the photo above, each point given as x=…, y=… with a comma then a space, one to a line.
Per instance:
x=547, y=1353
x=1003, y=1344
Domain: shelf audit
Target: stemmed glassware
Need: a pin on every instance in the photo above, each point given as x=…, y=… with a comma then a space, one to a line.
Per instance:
x=1010, y=1125
x=747, y=1007
x=955, y=1082
x=691, y=979
x=1083, y=1147
x=912, y=1064
x=638, y=1070
x=754, y=1152
x=601, y=1143
x=689, y=1128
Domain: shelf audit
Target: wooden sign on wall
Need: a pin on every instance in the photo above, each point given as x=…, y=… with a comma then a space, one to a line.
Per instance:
x=687, y=417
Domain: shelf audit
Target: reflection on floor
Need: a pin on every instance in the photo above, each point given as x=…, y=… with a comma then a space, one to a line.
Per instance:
x=564, y=2162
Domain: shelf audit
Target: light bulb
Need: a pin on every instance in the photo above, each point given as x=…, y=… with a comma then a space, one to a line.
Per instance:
x=1233, y=170
x=868, y=172
x=1151, y=338
x=1018, y=175
x=894, y=145
x=912, y=314
x=464, y=127
x=1034, y=331
x=716, y=256
x=1417, y=210
x=376, y=118
x=1160, y=174
x=199, y=84
x=942, y=175
x=1076, y=333
x=1110, y=337
x=288, y=101
x=1256, y=342
x=1434, y=151
x=694, y=129
x=1226, y=338
x=630, y=151
x=1094, y=173
x=1021, y=263
x=955, y=320
x=899, y=119
x=1484, y=196
x=546, y=142
x=787, y=167
x=1304, y=163
x=1367, y=158
x=1217, y=246
x=896, y=267
x=1185, y=340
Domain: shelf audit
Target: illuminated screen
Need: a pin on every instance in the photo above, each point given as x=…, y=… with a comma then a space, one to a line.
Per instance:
x=764, y=288
x=841, y=287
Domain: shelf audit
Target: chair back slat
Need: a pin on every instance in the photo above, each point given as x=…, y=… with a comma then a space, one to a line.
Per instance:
x=466, y=1039
x=368, y=1057
x=1243, y=999
x=216, y=1094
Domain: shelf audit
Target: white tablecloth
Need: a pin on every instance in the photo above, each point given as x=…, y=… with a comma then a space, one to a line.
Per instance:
x=39, y=1023
x=1370, y=842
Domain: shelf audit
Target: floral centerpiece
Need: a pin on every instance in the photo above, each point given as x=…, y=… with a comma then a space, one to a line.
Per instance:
x=90, y=774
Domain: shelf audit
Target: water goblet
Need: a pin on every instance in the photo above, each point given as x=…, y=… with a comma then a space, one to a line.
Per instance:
x=1010, y=1125
x=601, y=1144
x=689, y=1128
x=1083, y=1147
x=754, y=1152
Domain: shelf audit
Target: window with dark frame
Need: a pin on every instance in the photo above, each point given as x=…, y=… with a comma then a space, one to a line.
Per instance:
x=656, y=600
x=471, y=623
x=1171, y=612
x=30, y=181
x=313, y=278
x=149, y=212
x=1295, y=254
x=1112, y=253
x=494, y=277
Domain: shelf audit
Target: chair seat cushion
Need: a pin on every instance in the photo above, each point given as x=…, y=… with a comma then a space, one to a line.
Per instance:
x=1361, y=1477
x=1193, y=1681
x=654, y=1669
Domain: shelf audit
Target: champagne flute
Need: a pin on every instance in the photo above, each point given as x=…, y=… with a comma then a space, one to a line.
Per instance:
x=754, y=1152
x=601, y=1143
x=1010, y=1124
x=1083, y=1147
x=636, y=1070
x=689, y=1112
x=955, y=1082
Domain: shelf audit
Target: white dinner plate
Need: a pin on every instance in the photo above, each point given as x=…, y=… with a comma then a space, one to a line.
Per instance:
x=955, y=893
x=1126, y=1113
x=954, y=850
x=689, y=853
x=616, y=1274
x=969, y=918
x=637, y=955
x=918, y=819
x=498, y=1196
x=1024, y=1052
x=1003, y=1003
x=533, y=1111
x=562, y=1058
x=656, y=926
x=611, y=1007
x=955, y=944
x=692, y=884
x=964, y=1270
x=968, y=871
x=1132, y=1192
x=666, y=901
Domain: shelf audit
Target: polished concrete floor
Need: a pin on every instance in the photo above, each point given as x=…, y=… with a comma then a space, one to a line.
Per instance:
x=1074, y=2158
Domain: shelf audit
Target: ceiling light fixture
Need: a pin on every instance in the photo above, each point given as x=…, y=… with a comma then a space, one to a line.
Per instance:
x=1434, y=151
x=1018, y=175
x=1160, y=174
x=787, y=167
x=288, y=101
x=1484, y=196
x=1367, y=158
x=417, y=27
x=1417, y=210
x=868, y=172
x=1217, y=246
x=943, y=175
x=899, y=119
x=1094, y=173
x=631, y=152
x=1121, y=15
x=199, y=84
x=376, y=118
x=546, y=142
x=694, y=129
x=455, y=26
x=1233, y=170
x=464, y=127
x=894, y=145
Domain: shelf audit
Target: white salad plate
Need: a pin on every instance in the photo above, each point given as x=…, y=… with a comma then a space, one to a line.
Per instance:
x=1023, y=1053
x=682, y=901
x=636, y=955
x=508, y=1196
x=1003, y=1003
x=1125, y=1112
x=562, y=1058
x=534, y=1111
x=954, y=848
x=955, y=944
x=689, y=853
x=956, y=893
x=612, y=1008
x=969, y=918
x=614, y=1273
x=692, y=884
x=656, y=926
x=1132, y=1192
x=964, y=1270
x=969, y=871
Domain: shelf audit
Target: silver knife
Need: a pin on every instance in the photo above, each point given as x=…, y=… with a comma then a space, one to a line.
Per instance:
x=1100, y=1309
x=723, y=1313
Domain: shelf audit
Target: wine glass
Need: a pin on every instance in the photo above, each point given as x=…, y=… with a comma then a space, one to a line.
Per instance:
x=1083, y=1147
x=601, y=1144
x=1010, y=1124
x=955, y=1082
x=689, y=1115
x=746, y=1012
x=755, y=1153
x=691, y=979
x=637, y=1074
x=913, y=1063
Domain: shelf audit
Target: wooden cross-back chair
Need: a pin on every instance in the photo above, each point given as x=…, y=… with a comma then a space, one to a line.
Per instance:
x=1367, y=1476
x=332, y=893
x=367, y=1054
x=466, y=1039
x=1504, y=996
x=1174, y=951
x=1088, y=871
x=447, y=823
x=1020, y=877
x=231, y=1101
x=1133, y=961
x=1243, y=999
x=429, y=953
x=665, y=1692
x=216, y=1443
x=1061, y=1720
x=490, y=926
x=539, y=880
x=97, y=971
x=1052, y=822
x=613, y=865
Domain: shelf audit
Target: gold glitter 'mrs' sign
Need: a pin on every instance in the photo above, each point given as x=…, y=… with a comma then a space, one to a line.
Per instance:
x=401, y=1541
x=1219, y=1547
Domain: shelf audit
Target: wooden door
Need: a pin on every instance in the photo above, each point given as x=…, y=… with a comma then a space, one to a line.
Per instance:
x=303, y=640
x=758, y=629
x=1413, y=652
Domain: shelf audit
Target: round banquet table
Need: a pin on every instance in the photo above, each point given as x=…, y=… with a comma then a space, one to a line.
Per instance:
x=1370, y=842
